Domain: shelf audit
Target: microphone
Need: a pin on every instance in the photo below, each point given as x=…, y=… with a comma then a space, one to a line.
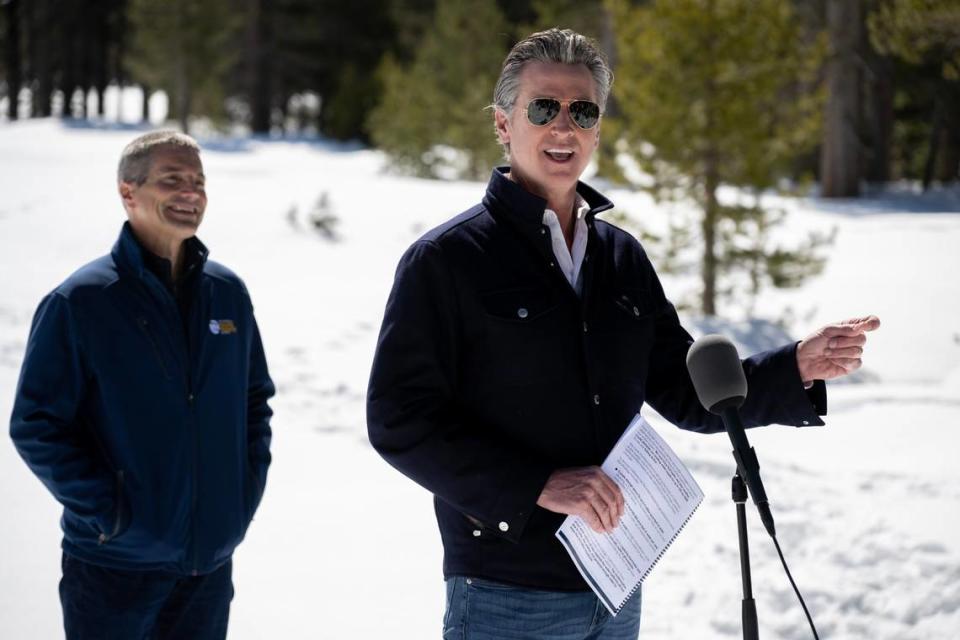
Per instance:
x=721, y=386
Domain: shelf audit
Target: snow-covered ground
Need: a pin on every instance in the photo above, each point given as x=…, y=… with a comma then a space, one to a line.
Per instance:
x=868, y=508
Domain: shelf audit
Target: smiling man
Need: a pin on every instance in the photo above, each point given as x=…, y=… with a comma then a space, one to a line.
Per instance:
x=142, y=406
x=520, y=339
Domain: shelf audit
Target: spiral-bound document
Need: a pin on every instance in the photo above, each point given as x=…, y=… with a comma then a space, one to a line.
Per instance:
x=660, y=496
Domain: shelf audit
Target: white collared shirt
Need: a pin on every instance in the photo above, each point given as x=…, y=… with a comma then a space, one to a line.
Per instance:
x=569, y=260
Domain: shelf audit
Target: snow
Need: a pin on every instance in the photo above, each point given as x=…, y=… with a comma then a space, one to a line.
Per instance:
x=867, y=508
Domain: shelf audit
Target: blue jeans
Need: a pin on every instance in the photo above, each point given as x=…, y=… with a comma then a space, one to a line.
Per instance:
x=101, y=603
x=484, y=610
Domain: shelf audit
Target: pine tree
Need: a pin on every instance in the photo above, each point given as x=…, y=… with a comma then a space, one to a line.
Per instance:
x=184, y=48
x=719, y=92
x=434, y=106
x=925, y=34
x=13, y=65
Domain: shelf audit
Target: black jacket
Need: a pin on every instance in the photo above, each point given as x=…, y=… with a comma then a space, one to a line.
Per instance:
x=490, y=373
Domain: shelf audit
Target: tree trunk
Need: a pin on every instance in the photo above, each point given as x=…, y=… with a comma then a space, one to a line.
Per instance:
x=43, y=95
x=710, y=215
x=258, y=75
x=840, y=161
x=39, y=37
x=183, y=106
x=948, y=169
x=68, y=55
x=711, y=180
x=933, y=148
x=881, y=120
x=145, y=108
x=101, y=58
x=13, y=62
x=84, y=59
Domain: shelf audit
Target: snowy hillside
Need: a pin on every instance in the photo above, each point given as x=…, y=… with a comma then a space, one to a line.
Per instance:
x=868, y=508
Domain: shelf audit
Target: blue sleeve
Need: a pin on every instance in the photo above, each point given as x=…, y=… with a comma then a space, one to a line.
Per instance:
x=260, y=389
x=46, y=427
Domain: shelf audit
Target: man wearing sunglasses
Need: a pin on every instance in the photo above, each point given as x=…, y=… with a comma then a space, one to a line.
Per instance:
x=520, y=339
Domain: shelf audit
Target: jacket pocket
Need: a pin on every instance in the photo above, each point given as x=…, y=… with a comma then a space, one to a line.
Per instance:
x=144, y=325
x=634, y=303
x=627, y=320
x=518, y=306
x=121, y=516
x=522, y=334
x=253, y=494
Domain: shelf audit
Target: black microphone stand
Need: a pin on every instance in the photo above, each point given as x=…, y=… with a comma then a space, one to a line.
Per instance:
x=749, y=608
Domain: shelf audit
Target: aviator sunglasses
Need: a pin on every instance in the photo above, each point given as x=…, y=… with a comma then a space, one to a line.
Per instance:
x=585, y=114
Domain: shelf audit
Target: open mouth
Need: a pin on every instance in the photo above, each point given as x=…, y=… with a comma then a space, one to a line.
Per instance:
x=184, y=211
x=559, y=155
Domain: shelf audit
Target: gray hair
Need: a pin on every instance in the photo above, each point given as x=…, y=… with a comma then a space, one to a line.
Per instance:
x=135, y=159
x=553, y=45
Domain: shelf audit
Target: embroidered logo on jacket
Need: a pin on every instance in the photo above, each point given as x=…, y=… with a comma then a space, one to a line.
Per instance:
x=222, y=327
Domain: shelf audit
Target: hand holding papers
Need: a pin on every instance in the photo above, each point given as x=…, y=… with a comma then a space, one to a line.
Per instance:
x=660, y=496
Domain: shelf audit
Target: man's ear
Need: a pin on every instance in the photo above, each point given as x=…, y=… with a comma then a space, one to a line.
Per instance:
x=503, y=125
x=126, y=193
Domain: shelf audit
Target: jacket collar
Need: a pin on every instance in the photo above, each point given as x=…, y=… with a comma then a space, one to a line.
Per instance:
x=129, y=254
x=505, y=194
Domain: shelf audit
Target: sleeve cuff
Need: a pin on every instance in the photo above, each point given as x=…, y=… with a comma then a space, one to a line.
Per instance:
x=515, y=506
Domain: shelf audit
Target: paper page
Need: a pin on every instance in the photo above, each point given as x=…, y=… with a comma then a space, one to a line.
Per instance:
x=660, y=496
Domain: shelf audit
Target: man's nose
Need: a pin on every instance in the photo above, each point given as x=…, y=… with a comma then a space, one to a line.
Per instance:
x=562, y=123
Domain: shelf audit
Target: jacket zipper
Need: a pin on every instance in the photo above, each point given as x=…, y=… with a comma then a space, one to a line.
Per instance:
x=144, y=325
x=194, y=428
x=185, y=345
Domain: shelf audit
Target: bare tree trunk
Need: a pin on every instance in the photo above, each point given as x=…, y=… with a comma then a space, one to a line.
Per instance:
x=881, y=120
x=183, y=103
x=101, y=59
x=710, y=216
x=68, y=48
x=711, y=180
x=13, y=62
x=38, y=30
x=182, y=98
x=259, y=37
x=145, y=107
x=936, y=133
x=608, y=41
x=84, y=58
x=948, y=169
x=840, y=161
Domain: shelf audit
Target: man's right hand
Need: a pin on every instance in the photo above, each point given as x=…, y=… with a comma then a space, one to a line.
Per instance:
x=587, y=492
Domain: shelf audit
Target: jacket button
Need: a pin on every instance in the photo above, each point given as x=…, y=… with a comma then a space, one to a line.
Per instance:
x=522, y=313
x=476, y=533
x=504, y=527
x=551, y=264
x=584, y=326
x=543, y=231
x=806, y=423
x=596, y=398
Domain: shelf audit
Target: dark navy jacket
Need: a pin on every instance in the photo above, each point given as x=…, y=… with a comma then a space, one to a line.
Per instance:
x=490, y=373
x=155, y=440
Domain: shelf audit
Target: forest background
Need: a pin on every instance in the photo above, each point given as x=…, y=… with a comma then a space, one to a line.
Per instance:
x=837, y=97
